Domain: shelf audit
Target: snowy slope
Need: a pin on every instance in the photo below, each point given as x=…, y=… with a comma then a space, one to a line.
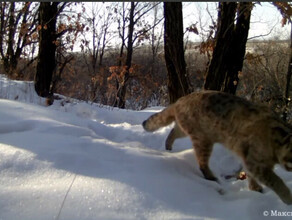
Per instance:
x=74, y=160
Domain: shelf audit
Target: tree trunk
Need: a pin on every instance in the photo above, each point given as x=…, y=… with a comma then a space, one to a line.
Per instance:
x=10, y=61
x=239, y=45
x=221, y=55
x=121, y=29
x=288, y=78
x=178, y=83
x=46, y=62
x=229, y=51
x=10, y=39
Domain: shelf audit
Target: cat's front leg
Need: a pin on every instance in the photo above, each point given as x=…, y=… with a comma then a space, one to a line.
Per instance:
x=203, y=150
x=253, y=184
x=267, y=176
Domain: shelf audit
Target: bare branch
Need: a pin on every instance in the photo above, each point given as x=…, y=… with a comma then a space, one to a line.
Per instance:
x=263, y=35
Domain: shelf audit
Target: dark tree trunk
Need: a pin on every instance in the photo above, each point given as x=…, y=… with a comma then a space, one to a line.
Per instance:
x=239, y=45
x=229, y=51
x=10, y=61
x=218, y=66
x=46, y=62
x=178, y=83
x=122, y=35
x=121, y=55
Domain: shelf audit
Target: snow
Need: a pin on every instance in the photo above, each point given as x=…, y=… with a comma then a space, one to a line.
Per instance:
x=77, y=160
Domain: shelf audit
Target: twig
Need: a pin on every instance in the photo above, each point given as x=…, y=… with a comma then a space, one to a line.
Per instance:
x=263, y=35
x=62, y=205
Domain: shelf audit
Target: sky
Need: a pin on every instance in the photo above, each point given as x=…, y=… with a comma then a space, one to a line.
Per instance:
x=265, y=17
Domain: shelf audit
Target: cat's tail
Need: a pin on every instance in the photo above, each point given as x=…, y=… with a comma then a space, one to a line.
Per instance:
x=160, y=119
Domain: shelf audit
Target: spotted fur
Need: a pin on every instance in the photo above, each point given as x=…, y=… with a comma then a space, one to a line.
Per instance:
x=251, y=131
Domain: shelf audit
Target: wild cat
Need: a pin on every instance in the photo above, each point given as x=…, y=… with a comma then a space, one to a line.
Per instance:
x=251, y=131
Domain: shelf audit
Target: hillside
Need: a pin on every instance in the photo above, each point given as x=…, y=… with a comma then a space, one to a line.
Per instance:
x=74, y=160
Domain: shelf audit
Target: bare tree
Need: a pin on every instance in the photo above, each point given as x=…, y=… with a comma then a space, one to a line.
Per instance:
x=99, y=21
x=155, y=36
x=229, y=51
x=17, y=26
x=131, y=18
x=285, y=9
x=54, y=33
x=47, y=47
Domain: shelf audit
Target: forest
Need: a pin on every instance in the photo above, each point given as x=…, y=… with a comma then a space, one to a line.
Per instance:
x=138, y=54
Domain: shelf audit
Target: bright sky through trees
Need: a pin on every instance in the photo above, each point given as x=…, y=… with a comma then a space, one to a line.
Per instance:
x=265, y=21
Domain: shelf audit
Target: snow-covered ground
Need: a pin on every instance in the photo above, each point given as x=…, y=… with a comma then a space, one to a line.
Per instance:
x=74, y=160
